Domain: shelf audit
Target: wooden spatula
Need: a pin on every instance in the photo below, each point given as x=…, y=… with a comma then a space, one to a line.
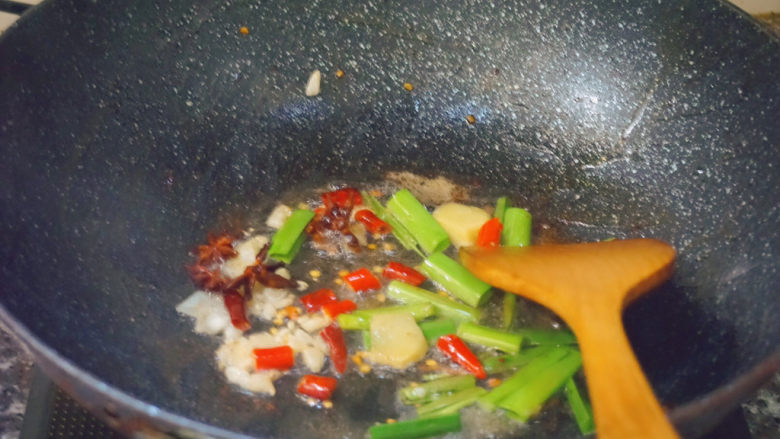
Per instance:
x=588, y=285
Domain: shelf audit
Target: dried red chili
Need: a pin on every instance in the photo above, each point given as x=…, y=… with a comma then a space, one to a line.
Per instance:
x=333, y=217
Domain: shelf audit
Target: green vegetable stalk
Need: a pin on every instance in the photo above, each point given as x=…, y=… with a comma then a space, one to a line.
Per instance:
x=522, y=377
x=517, y=227
x=525, y=403
x=418, y=221
x=433, y=329
x=288, y=240
x=417, y=428
x=361, y=319
x=445, y=307
x=399, y=231
x=490, y=337
x=501, y=206
x=456, y=279
x=420, y=393
x=579, y=407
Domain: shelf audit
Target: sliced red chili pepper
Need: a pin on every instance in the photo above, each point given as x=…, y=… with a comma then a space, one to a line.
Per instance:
x=345, y=198
x=234, y=302
x=314, y=301
x=490, y=233
x=362, y=280
x=372, y=222
x=399, y=271
x=334, y=337
x=333, y=309
x=281, y=357
x=454, y=347
x=316, y=386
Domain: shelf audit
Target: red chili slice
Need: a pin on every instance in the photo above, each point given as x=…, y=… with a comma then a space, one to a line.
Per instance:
x=457, y=350
x=234, y=302
x=345, y=198
x=334, y=337
x=372, y=222
x=333, y=309
x=399, y=271
x=316, y=300
x=362, y=280
x=316, y=386
x=281, y=358
x=490, y=233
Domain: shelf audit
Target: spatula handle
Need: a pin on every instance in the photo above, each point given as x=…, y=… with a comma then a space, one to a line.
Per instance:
x=624, y=405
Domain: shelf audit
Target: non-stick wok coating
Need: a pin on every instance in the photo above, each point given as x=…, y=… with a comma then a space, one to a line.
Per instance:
x=130, y=129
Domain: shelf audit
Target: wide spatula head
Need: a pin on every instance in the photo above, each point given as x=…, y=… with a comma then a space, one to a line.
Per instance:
x=588, y=285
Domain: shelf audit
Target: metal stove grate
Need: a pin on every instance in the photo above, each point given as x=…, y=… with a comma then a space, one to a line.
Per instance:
x=52, y=414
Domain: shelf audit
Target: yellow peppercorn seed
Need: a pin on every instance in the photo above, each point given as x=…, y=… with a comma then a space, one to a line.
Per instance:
x=339, y=73
x=471, y=119
x=315, y=274
x=494, y=382
x=244, y=30
x=408, y=86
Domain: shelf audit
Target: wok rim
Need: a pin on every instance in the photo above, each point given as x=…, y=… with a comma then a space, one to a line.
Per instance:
x=710, y=407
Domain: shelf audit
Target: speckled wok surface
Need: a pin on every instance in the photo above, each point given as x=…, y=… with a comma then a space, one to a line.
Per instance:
x=128, y=130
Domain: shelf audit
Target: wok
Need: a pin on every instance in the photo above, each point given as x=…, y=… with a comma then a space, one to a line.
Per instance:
x=130, y=129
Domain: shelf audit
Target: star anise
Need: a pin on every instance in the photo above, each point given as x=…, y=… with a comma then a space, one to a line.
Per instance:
x=206, y=278
x=218, y=249
x=263, y=272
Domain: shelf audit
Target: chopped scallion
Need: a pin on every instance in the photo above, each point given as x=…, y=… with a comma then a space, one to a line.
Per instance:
x=288, y=240
x=503, y=363
x=522, y=377
x=554, y=337
x=418, y=221
x=490, y=337
x=445, y=307
x=456, y=279
x=517, y=227
x=529, y=400
x=362, y=319
x=433, y=329
x=451, y=403
x=581, y=409
x=508, y=310
x=399, y=231
x=417, y=428
x=501, y=205
x=415, y=394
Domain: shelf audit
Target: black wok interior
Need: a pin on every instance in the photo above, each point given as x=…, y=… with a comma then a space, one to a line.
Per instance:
x=130, y=129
